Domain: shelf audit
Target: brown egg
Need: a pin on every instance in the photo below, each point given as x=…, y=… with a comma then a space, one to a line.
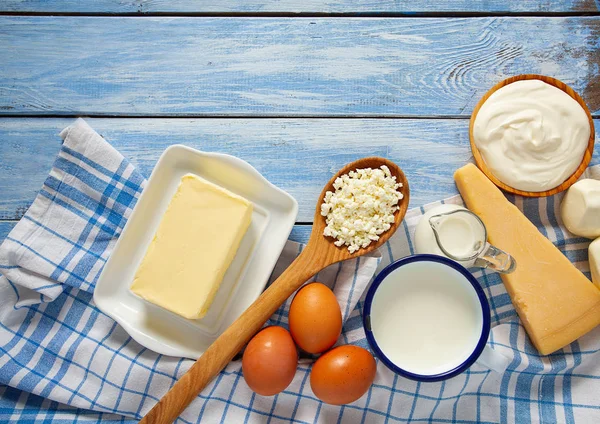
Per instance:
x=343, y=374
x=315, y=318
x=270, y=360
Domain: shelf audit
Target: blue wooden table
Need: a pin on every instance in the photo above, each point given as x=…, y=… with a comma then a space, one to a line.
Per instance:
x=297, y=88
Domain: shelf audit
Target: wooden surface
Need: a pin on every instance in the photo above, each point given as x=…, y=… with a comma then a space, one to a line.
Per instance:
x=222, y=66
x=295, y=87
x=298, y=155
x=587, y=156
x=295, y=6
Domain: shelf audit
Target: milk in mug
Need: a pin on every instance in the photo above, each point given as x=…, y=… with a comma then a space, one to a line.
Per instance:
x=426, y=318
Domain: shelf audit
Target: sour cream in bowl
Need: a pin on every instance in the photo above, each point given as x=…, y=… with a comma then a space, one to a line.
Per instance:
x=532, y=135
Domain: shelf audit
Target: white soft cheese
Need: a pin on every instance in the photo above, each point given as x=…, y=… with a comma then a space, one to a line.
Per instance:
x=580, y=208
x=361, y=208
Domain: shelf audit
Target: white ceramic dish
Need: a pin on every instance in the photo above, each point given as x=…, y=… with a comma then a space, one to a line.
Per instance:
x=156, y=328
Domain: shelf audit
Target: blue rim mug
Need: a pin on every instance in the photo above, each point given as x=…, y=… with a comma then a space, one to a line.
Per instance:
x=481, y=353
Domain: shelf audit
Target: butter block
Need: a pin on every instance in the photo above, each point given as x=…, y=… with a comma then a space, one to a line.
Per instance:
x=556, y=303
x=196, y=241
x=580, y=208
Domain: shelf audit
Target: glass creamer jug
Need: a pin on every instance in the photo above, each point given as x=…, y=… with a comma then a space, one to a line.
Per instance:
x=458, y=234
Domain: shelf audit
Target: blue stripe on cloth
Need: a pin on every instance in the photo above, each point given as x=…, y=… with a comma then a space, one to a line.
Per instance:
x=341, y=414
x=407, y=233
x=48, y=359
x=391, y=399
x=247, y=417
x=146, y=393
x=45, y=259
x=87, y=368
x=302, y=385
x=27, y=351
x=546, y=389
x=454, y=397
x=74, y=243
x=551, y=207
x=86, y=203
x=479, y=390
x=133, y=181
x=490, y=295
x=467, y=375
x=49, y=286
x=100, y=242
x=347, y=311
x=272, y=408
x=108, y=367
x=270, y=415
x=364, y=416
x=21, y=407
x=231, y=394
x=77, y=212
x=39, y=375
x=397, y=418
x=567, y=395
x=67, y=362
x=318, y=413
x=438, y=400
x=389, y=250
x=514, y=331
x=16, y=292
x=210, y=394
x=413, y=407
x=109, y=188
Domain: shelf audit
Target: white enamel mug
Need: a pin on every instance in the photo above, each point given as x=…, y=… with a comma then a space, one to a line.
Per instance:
x=427, y=318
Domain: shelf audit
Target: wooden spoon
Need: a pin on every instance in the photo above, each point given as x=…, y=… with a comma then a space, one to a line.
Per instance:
x=319, y=253
x=587, y=156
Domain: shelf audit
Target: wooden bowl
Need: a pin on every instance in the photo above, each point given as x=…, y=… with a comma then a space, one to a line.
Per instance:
x=587, y=156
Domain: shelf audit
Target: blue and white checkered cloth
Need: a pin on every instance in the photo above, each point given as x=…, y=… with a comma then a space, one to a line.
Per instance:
x=64, y=360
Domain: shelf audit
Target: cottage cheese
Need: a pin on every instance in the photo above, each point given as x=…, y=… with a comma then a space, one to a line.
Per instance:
x=361, y=208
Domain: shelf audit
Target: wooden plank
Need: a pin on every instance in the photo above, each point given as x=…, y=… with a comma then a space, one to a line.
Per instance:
x=395, y=67
x=298, y=155
x=5, y=227
x=295, y=6
x=300, y=233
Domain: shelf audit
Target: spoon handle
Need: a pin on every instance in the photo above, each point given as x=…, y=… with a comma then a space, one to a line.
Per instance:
x=231, y=341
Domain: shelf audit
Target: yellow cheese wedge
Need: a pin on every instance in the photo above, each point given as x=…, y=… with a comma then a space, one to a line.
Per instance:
x=555, y=302
x=194, y=245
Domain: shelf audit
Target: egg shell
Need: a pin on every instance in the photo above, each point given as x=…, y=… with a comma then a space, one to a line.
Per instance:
x=270, y=360
x=343, y=374
x=315, y=318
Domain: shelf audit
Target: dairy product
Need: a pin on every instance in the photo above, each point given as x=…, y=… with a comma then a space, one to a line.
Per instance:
x=531, y=135
x=196, y=241
x=554, y=300
x=456, y=231
x=362, y=207
x=580, y=208
x=426, y=318
x=594, y=259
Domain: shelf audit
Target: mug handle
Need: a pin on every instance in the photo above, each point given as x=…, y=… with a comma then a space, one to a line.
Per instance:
x=495, y=259
x=493, y=360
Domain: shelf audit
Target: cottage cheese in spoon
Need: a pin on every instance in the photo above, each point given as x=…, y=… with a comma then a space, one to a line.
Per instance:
x=531, y=135
x=362, y=207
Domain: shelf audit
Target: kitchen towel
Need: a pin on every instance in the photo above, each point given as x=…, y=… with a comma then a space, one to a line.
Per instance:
x=56, y=344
